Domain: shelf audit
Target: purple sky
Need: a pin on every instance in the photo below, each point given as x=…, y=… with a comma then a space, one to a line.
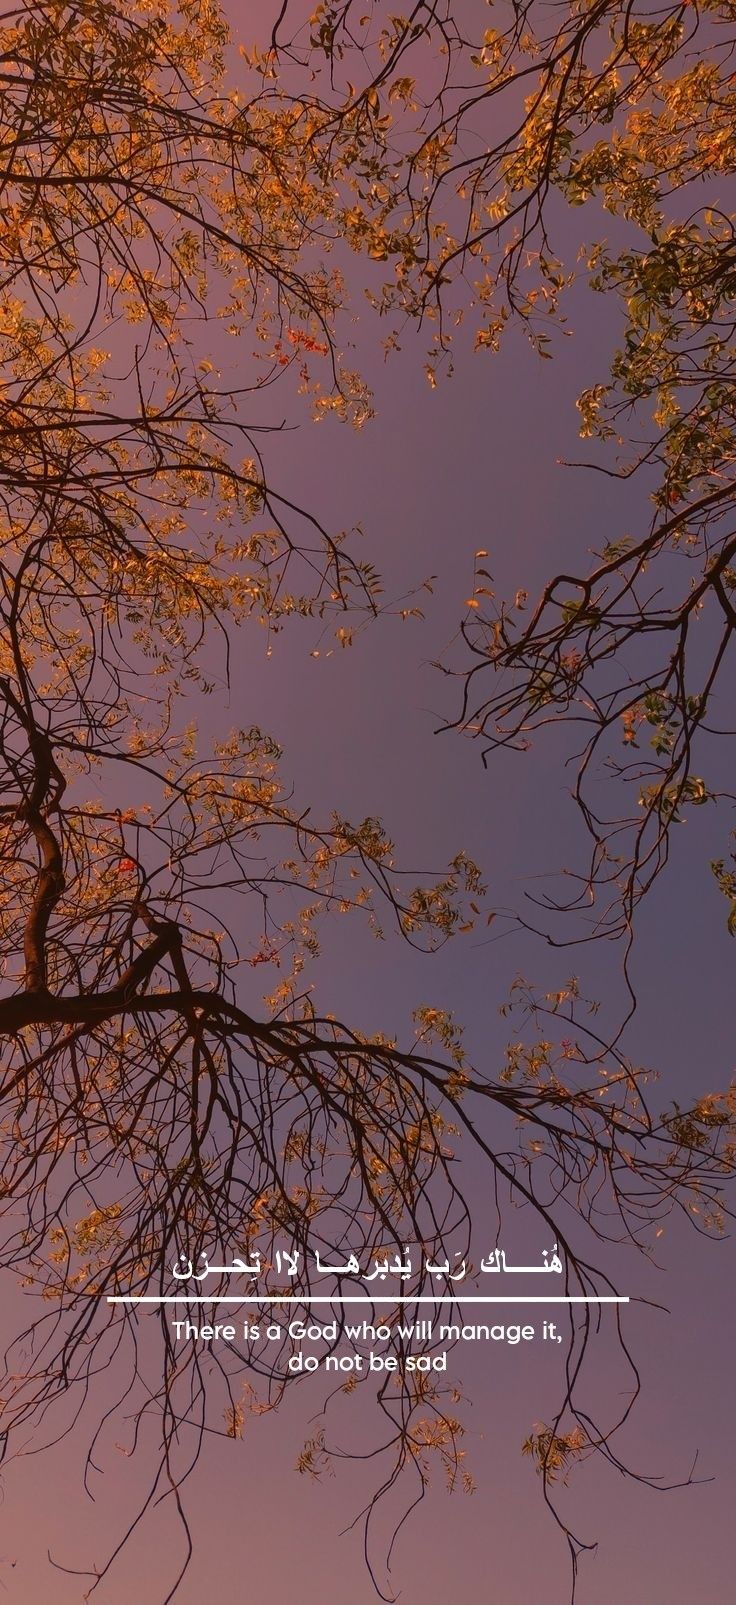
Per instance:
x=436, y=475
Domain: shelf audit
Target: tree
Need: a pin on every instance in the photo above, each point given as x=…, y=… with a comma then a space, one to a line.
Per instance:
x=147, y=1112
x=628, y=114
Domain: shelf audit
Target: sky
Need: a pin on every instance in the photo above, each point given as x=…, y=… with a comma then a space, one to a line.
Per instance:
x=436, y=475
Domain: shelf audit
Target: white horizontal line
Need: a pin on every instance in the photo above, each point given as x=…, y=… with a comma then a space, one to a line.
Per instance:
x=380, y=1298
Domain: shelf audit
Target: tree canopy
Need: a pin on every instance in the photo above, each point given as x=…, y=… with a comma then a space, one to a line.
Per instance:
x=163, y=193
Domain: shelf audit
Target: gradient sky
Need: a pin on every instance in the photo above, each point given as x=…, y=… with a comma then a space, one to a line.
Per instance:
x=436, y=475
